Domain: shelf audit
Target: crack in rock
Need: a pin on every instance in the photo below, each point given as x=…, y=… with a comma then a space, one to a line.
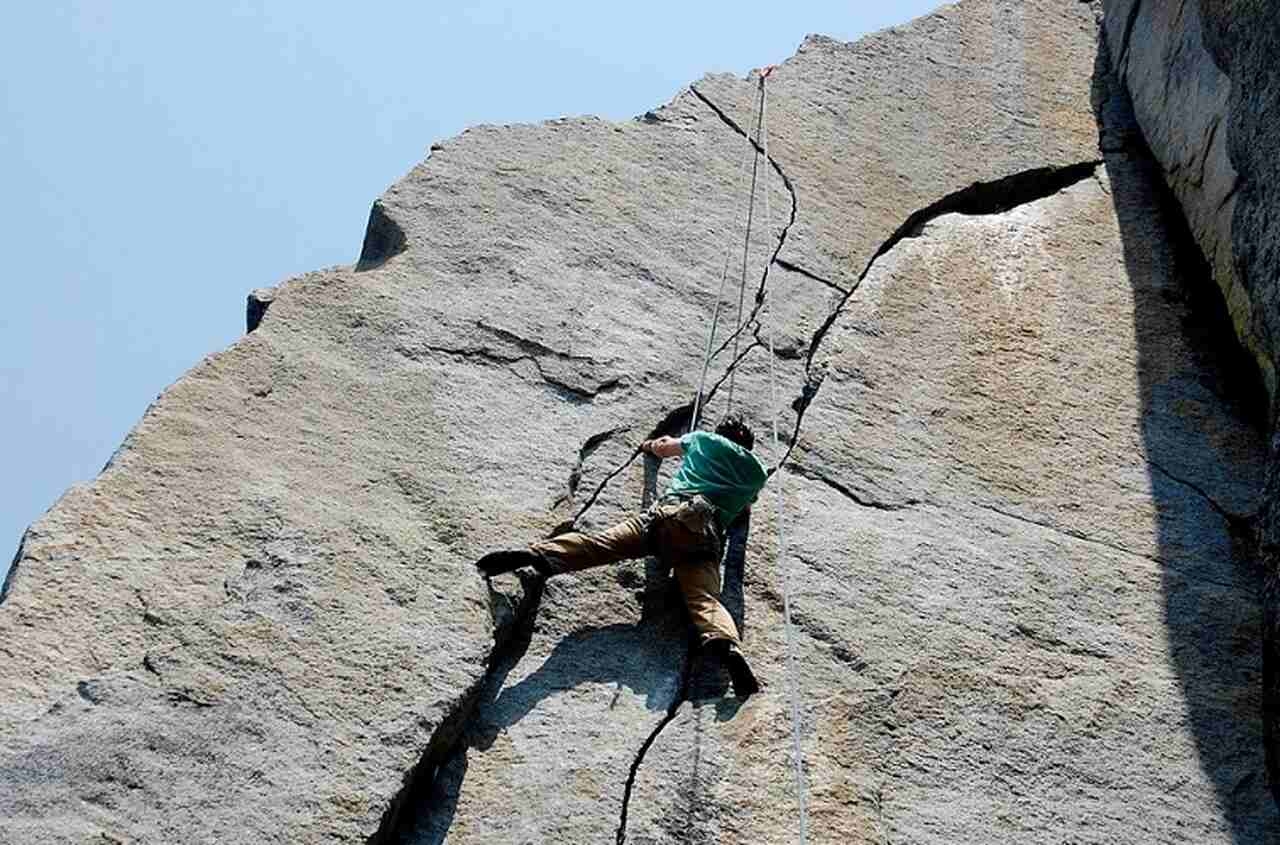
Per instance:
x=979, y=199
x=589, y=447
x=809, y=274
x=686, y=679
x=1093, y=541
x=812, y=474
x=532, y=347
x=675, y=422
x=444, y=741
x=786, y=229
x=570, y=392
x=1241, y=528
x=13, y=568
x=1233, y=519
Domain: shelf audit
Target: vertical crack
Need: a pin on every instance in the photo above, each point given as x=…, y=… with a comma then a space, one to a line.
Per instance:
x=686, y=678
x=782, y=237
x=13, y=568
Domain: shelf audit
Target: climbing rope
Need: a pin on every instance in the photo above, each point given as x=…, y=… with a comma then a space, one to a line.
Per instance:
x=793, y=678
x=761, y=150
x=746, y=240
x=715, y=318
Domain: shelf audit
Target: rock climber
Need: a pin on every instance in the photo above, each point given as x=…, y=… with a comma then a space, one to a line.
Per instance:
x=719, y=477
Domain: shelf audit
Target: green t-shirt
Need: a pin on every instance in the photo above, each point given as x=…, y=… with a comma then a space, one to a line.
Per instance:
x=716, y=467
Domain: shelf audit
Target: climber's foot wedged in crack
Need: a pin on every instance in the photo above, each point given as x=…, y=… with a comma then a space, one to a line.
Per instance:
x=745, y=683
x=509, y=560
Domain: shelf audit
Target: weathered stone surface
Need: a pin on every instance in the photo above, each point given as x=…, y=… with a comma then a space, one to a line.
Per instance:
x=269, y=594
x=1244, y=38
x=1011, y=506
x=1182, y=101
x=1018, y=620
x=256, y=305
x=871, y=131
x=1206, y=87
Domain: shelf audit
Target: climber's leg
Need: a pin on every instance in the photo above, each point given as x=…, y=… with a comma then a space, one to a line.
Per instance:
x=576, y=551
x=689, y=541
x=700, y=584
x=699, y=579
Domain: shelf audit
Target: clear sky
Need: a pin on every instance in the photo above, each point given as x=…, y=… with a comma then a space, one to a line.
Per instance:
x=160, y=160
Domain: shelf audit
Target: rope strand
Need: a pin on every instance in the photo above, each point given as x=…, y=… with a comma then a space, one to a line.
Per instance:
x=746, y=241
x=715, y=319
x=779, y=480
x=761, y=149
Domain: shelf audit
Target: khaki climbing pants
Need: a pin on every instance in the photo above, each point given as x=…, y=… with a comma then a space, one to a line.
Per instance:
x=682, y=534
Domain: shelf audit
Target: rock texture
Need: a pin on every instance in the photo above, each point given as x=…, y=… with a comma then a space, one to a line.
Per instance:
x=1022, y=615
x=1183, y=102
x=1206, y=91
x=1022, y=462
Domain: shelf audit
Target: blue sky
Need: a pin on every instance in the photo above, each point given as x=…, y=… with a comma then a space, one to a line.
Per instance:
x=160, y=160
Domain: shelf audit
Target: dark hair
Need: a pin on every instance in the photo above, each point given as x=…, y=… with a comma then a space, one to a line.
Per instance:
x=733, y=427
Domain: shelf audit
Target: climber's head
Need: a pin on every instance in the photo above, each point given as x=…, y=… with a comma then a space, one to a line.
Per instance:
x=733, y=427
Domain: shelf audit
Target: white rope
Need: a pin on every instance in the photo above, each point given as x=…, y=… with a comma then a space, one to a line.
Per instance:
x=793, y=681
x=715, y=319
x=760, y=149
x=746, y=241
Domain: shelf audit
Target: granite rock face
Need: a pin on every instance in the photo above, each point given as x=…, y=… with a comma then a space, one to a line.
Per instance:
x=1206, y=91
x=1021, y=614
x=1022, y=597
x=1188, y=110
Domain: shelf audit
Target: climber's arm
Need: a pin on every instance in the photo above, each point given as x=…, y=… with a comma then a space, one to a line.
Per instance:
x=663, y=447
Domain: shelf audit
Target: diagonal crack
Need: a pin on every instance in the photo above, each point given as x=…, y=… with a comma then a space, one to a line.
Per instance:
x=814, y=475
x=675, y=421
x=587, y=449
x=1241, y=528
x=1232, y=519
x=759, y=300
x=686, y=679
x=415, y=792
x=809, y=274
x=980, y=198
x=1093, y=541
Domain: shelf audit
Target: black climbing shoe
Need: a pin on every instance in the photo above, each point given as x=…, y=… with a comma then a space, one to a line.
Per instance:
x=509, y=560
x=744, y=680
